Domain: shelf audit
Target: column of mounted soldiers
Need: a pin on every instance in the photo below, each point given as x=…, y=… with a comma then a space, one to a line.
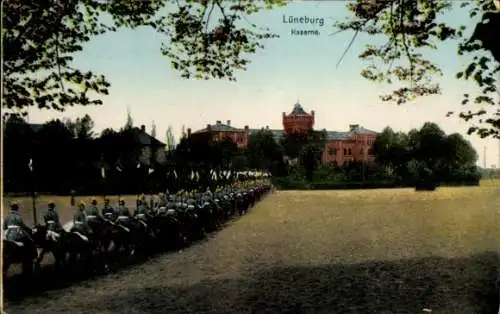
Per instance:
x=162, y=221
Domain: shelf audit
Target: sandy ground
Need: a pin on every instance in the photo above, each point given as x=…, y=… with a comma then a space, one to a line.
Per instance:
x=379, y=251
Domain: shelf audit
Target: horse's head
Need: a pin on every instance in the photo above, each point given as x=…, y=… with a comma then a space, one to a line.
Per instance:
x=39, y=233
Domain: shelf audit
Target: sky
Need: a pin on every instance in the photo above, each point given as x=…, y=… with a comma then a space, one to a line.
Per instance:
x=289, y=69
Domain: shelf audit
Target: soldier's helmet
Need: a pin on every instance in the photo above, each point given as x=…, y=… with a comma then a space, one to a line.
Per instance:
x=14, y=205
x=121, y=201
x=52, y=204
x=81, y=204
x=93, y=201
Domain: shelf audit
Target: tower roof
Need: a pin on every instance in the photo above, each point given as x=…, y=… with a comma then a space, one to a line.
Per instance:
x=298, y=110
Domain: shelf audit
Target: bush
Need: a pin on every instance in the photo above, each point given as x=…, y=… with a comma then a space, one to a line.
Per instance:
x=287, y=183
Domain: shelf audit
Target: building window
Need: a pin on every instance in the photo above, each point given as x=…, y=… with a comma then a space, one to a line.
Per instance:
x=332, y=151
x=361, y=151
x=349, y=152
x=345, y=151
x=371, y=152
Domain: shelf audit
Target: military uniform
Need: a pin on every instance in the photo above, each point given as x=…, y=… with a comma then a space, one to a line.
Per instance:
x=141, y=211
x=80, y=221
x=162, y=200
x=14, y=226
x=51, y=218
x=92, y=210
x=94, y=218
x=123, y=213
x=109, y=212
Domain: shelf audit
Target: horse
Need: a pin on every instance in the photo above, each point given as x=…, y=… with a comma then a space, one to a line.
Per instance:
x=170, y=230
x=191, y=222
x=78, y=246
x=49, y=241
x=144, y=233
x=207, y=217
x=241, y=204
x=112, y=238
x=20, y=250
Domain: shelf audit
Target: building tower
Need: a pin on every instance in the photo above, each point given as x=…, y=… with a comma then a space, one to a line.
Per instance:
x=298, y=121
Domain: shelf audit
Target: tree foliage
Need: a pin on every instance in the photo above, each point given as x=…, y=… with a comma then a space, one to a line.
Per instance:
x=169, y=139
x=129, y=123
x=427, y=154
x=41, y=38
x=153, y=129
x=411, y=27
x=263, y=152
x=81, y=128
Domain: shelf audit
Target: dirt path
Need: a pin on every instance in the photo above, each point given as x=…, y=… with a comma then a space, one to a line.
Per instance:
x=314, y=257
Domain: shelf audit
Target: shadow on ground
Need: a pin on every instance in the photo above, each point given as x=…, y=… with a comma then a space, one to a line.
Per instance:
x=462, y=285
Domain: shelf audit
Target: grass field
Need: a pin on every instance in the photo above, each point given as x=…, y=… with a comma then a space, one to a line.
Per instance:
x=66, y=211
x=376, y=251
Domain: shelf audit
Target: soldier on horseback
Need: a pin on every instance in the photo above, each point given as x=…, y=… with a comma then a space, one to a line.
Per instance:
x=80, y=223
x=93, y=216
x=124, y=215
x=141, y=211
x=51, y=218
x=14, y=227
x=162, y=204
x=108, y=211
x=18, y=246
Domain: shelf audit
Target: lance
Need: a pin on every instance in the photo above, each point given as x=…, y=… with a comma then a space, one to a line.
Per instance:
x=33, y=190
x=103, y=177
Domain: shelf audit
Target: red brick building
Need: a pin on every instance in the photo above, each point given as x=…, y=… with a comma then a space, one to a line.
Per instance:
x=221, y=131
x=354, y=145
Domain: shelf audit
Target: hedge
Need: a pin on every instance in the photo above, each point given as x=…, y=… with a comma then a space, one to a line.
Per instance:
x=284, y=183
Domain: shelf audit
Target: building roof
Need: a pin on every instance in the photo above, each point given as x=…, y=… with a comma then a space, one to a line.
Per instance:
x=330, y=135
x=298, y=110
x=335, y=135
x=354, y=129
x=144, y=138
x=277, y=134
x=36, y=126
x=220, y=127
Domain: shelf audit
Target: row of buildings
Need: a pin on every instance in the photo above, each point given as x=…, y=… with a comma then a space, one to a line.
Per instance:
x=356, y=144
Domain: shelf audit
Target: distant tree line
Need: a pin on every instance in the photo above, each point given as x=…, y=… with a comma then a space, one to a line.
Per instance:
x=490, y=173
x=67, y=156
x=63, y=156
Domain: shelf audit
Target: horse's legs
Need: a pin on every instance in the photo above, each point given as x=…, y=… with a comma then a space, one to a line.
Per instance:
x=39, y=259
x=72, y=258
x=5, y=266
x=27, y=268
x=59, y=258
